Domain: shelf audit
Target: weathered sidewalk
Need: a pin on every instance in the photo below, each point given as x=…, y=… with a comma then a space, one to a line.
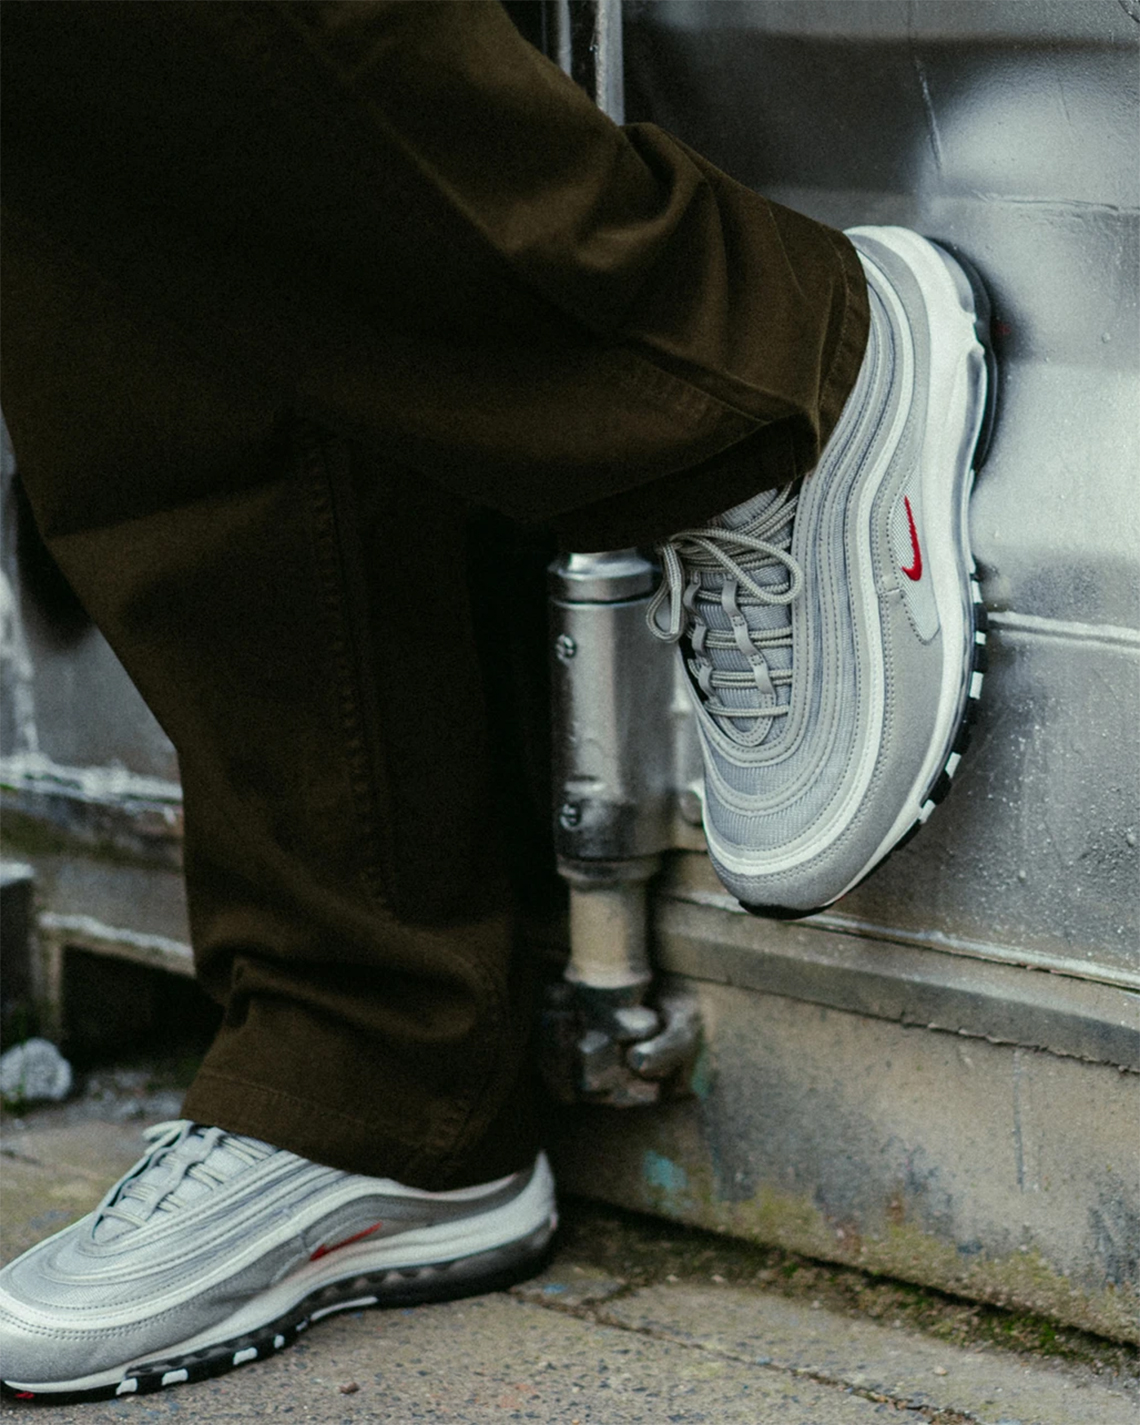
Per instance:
x=581, y=1344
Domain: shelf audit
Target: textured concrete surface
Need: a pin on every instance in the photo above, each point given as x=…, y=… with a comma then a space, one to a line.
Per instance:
x=493, y=1359
x=993, y=1172
x=577, y=1345
x=900, y=1366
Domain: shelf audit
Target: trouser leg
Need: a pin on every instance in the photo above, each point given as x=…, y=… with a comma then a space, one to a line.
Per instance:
x=287, y=298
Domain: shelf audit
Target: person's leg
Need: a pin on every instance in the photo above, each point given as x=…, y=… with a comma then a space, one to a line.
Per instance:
x=402, y=221
x=273, y=267
x=291, y=289
x=282, y=617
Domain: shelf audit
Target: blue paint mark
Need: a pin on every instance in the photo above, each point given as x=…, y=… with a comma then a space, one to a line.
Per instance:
x=701, y=1080
x=663, y=1174
x=554, y=1289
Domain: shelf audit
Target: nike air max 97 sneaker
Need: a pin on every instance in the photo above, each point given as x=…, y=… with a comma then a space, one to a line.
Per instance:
x=216, y=1249
x=832, y=631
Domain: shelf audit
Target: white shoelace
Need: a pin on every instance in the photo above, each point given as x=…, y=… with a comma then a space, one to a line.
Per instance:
x=755, y=572
x=185, y=1161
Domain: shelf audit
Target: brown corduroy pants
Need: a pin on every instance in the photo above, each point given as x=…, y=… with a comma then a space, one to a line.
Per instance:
x=292, y=291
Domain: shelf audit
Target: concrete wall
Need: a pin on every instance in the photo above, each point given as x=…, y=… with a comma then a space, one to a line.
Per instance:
x=1000, y=1173
x=1010, y=130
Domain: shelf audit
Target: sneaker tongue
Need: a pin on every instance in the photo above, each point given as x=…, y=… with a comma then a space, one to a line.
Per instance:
x=750, y=509
x=177, y=1178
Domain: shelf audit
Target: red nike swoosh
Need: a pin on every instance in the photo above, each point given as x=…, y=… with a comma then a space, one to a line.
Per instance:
x=914, y=570
x=336, y=1246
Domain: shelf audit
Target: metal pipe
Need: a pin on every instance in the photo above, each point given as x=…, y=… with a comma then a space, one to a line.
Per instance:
x=608, y=61
x=615, y=752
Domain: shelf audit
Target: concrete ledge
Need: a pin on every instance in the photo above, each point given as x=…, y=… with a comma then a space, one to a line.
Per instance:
x=991, y=1171
x=1003, y=1003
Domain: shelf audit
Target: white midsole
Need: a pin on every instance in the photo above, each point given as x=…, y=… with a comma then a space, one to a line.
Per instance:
x=949, y=500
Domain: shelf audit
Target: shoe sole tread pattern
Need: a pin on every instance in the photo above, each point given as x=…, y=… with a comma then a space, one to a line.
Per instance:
x=493, y=1270
x=979, y=658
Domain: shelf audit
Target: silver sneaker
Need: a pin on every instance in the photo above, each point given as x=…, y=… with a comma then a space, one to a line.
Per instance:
x=832, y=631
x=217, y=1249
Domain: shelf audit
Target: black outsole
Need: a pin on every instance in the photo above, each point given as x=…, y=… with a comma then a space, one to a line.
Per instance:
x=979, y=658
x=396, y=1287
